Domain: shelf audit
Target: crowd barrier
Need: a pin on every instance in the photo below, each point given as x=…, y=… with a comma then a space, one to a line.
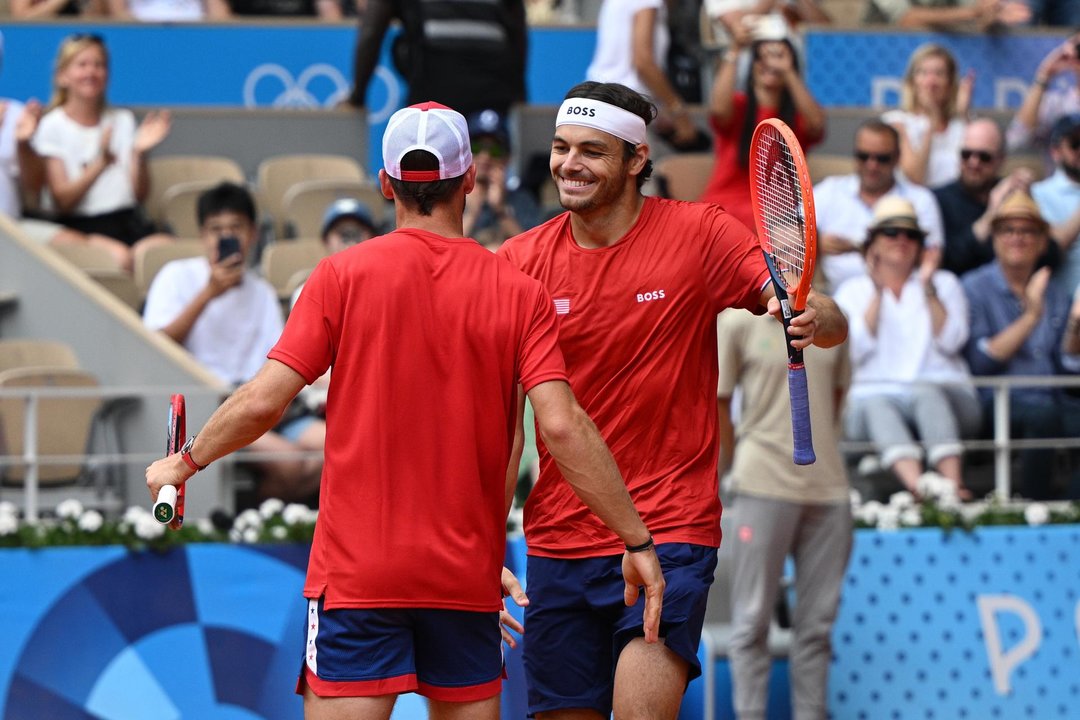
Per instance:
x=931, y=625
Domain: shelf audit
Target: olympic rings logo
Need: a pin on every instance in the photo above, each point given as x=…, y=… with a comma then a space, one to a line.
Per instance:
x=298, y=93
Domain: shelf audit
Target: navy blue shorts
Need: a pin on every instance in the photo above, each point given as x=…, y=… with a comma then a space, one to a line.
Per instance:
x=576, y=623
x=449, y=655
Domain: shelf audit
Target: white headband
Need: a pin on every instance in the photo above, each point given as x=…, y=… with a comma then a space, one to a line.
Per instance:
x=599, y=115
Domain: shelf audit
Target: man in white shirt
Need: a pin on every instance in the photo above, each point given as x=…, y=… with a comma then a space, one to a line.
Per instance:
x=845, y=203
x=229, y=318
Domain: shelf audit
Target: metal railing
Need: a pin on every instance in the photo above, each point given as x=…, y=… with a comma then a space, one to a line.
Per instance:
x=117, y=398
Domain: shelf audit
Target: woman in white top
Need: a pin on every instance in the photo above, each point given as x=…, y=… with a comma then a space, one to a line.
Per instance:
x=907, y=325
x=95, y=156
x=932, y=116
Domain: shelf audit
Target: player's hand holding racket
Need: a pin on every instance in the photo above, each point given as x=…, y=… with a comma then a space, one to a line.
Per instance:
x=165, y=478
x=783, y=206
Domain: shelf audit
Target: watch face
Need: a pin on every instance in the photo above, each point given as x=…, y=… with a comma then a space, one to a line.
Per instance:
x=187, y=445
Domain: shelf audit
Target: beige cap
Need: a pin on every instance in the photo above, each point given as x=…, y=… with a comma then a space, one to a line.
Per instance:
x=1019, y=205
x=893, y=211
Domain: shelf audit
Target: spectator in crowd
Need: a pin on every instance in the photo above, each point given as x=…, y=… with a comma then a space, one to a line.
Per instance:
x=782, y=509
x=933, y=112
x=22, y=178
x=774, y=89
x=1058, y=197
x=403, y=586
x=638, y=282
x=947, y=15
x=969, y=203
x=632, y=42
x=346, y=222
x=845, y=203
x=497, y=208
x=67, y=9
x=469, y=56
x=723, y=14
x=169, y=10
x=95, y=156
x=1053, y=93
x=229, y=318
x=908, y=324
x=1019, y=321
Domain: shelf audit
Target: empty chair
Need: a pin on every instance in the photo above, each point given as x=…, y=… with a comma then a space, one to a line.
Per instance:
x=19, y=353
x=822, y=165
x=63, y=426
x=306, y=202
x=684, y=176
x=148, y=263
x=179, y=207
x=277, y=174
x=168, y=170
x=286, y=265
x=101, y=266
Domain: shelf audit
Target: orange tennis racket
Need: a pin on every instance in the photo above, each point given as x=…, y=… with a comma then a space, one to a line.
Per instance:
x=783, y=204
x=170, y=500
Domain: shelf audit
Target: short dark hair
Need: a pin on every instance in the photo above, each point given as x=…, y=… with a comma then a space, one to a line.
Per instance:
x=877, y=125
x=627, y=99
x=423, y=196
x=226, y=197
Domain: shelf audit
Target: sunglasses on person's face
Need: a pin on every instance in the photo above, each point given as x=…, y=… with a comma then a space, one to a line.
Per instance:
x=879, y=158
x=981, y=155
x=492, y=148
x=893, y=233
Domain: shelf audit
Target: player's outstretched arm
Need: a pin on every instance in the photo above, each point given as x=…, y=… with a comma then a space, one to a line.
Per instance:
x=246, y=416
x=587, y=464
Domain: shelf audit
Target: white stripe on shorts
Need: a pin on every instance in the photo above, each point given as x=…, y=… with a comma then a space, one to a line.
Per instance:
x=312, y=631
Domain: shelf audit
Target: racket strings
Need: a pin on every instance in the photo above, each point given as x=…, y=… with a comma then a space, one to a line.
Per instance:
x=779, y=197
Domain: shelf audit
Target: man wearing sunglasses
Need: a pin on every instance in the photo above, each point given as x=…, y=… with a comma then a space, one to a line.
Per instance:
x=845, y=202
x=1058, y=197
x=498, y=208
x=968, y=203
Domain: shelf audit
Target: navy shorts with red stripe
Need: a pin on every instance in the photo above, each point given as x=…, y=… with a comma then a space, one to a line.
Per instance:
x=449, y=655
x=576, y=623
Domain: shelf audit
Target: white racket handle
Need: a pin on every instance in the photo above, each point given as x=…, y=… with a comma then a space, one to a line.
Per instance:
x=165, y=507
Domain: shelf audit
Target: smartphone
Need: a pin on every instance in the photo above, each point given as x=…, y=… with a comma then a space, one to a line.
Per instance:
x=227, y=246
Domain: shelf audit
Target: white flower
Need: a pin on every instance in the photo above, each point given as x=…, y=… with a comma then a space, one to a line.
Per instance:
x=205, y=526
x=1036, y=514
x=91, y=521
x=133, y=513
x=911, y=517
x=901, y=500
x=888, y=518
x=250, y=535
x=234, y=535
x=248, y=519
x=856, y=499
x=8, y=508
x=147, y=528
x=869, y=512
x=270, y=507
x=295, y=513
x=949, y=500
x=278, y=532
x=9, y=524
x=69, y=509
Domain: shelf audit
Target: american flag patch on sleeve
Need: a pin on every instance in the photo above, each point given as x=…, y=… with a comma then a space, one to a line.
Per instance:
x=562, y=306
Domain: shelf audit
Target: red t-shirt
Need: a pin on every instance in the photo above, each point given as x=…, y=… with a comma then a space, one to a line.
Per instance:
x=637, y=326
x=729, y=184
x=428, y=338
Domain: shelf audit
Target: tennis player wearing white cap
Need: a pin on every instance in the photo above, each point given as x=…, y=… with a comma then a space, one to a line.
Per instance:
x=429, y=335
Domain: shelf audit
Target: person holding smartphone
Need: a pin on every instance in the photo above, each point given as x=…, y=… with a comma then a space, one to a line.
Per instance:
x=229, y=318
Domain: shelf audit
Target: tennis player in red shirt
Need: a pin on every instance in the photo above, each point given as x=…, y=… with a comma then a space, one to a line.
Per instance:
x=637, y=283
x=429, y=335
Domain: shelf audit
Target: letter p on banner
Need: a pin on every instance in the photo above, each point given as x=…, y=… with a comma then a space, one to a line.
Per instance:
x=1003, y=663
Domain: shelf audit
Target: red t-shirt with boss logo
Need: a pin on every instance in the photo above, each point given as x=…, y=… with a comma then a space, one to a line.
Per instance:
x=428, y=338
x=637, y=327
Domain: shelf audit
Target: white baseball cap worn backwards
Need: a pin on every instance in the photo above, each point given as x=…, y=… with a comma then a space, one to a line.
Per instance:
x=431, y=127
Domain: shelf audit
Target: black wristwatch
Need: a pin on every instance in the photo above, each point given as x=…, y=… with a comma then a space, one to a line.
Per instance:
x=185, y=455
